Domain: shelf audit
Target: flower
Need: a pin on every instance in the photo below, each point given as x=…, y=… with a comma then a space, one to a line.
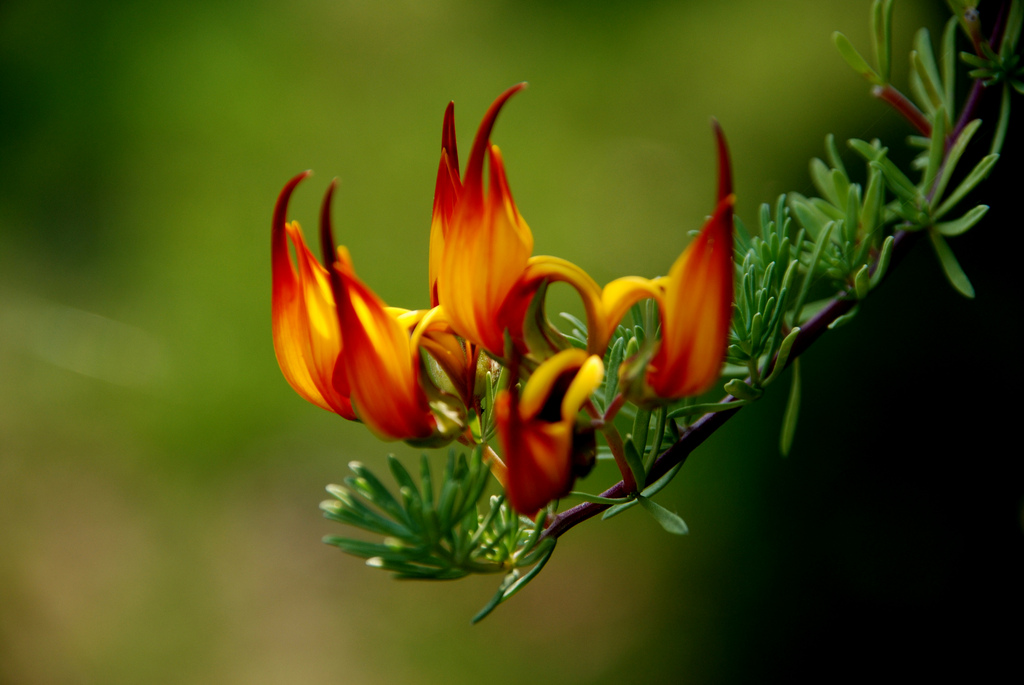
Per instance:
x=343, y=349
x=695, y=302
x=480, y=244
x=544, y=446
x=307, y=338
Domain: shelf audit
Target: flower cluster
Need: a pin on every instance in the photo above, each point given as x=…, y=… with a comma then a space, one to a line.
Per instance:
x=432, y=376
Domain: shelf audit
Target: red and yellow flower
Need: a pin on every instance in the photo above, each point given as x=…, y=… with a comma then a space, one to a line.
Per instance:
x=695, y=302
x=480, y=244
x=543, y=443
x=343, y=349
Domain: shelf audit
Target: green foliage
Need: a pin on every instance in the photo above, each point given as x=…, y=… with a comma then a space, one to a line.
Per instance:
x=426, y=536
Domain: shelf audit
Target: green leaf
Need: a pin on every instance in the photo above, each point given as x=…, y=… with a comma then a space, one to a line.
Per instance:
x=845, y=318
x=668, y=520
x=949, y=64
x=976, y=176
x=805, y=287
x=784, y=350
x=937, y=148
x=636, y=465
x=742, y=391
x=618, y=509
x=881, y=28
x=498, y=596
x=963, y=224
x=1003, y=123
x=923, y=60
x=953, y=157
x=657, y=486
x=706, y=408
x=641, y=426
x=833, y=154
x=883, y=262
x=611, y=376
x=789, y=419
x=896, y=180
x=597, y=499
x=956, y=276
x=862, y=282
x=853, y=58
x=821, y=176
x=871, y=153
x=375, y=490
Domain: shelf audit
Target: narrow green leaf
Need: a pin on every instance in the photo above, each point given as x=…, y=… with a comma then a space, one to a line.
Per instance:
x=956, y=276
x=871, y=153
x=668, y=520
x=618, y=509
x=579, y=325
x=949, y=64
x=519, y=584
x=862, y=282
x=789, y=419
x=805, y=287
x=597, y=499
x=366, y=550
x=657, y=486
x=742, y=391
x=636, y=465
x=641, y=426
x=928, y=70
x=853, y=58
x=937, y=148
x=611, y=376
x=506, y=582
x=977, y=175
x=896, y=180
x=821, y=176
x=1004, y=122
x=963, y=224
x=707, y=408
x=401, y=475
x=953, y=157
x=783, y=356
x=376, y=493
x=426, y=485
x=871, y=213
x=845, y=318
x=883, y=262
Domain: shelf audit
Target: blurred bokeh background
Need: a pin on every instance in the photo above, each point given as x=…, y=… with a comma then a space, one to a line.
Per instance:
x=159, y=480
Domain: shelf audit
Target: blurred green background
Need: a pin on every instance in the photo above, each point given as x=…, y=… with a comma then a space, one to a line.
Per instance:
x=159, y=480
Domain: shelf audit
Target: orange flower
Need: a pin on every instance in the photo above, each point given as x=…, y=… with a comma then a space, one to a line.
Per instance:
x=307, y=339
x=341, y=348
x=477, y=260
x=446, y=197
x=544, y=449
x=695, y=301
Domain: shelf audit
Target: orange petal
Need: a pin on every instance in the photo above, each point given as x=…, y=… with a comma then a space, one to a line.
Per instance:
x=307, y=340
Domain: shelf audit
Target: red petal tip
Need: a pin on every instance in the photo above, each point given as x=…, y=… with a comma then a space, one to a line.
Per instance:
x=448, y=143
x=326, y=230
x=281, y=207
x=724, y=167
x=475, y=168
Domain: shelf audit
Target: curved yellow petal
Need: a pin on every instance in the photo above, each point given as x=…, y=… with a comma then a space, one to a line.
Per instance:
x=539, y=386
x=587, y=380
x=622, y=293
